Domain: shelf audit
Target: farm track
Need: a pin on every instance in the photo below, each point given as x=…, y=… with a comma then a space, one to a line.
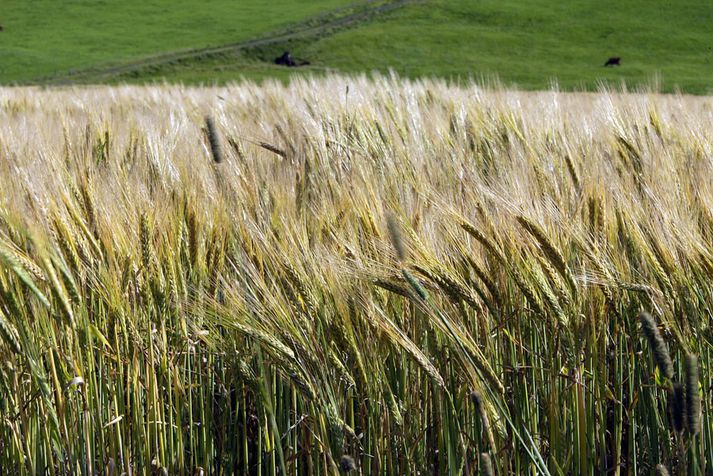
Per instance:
x=332, y=21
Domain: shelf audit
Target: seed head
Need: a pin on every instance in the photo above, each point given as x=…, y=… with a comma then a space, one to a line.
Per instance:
x=693, y=397
x=657, y=344
x=214, y=140
x=396, y=238
x=347, y=464
x=486, y=465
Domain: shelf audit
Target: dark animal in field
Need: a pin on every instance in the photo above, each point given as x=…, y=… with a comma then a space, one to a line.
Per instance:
x=613, y=61
x=1, y=28
x=287, y=60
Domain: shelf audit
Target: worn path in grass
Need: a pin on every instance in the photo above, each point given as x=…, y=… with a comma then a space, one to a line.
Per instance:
x=320, y=25
x=40, y=38
x=525, y=44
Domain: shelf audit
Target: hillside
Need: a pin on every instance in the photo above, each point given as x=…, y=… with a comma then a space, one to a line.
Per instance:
x=45, y=37
x=529, y=45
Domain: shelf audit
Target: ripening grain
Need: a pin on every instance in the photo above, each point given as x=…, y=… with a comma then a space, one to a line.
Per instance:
x=421, y=278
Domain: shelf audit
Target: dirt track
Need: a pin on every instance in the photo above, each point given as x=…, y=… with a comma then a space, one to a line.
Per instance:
x=331, y=21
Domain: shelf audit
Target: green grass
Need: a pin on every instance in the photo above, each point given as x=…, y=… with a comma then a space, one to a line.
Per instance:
x=530, y=43
x=45, y=37
x=525, y=44
x=212, y=70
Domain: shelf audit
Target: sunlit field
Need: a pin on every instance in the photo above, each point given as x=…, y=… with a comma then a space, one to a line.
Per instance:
x=347, y=275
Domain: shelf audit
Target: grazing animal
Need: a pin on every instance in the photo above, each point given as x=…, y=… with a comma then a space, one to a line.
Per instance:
x=613, y=61
x=1, y=28
x=287, y=60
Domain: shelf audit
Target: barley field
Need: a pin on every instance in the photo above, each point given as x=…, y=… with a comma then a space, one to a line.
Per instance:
x=350, y=275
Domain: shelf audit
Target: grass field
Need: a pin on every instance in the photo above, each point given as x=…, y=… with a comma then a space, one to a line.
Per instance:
x=385, y=277
x=529, y=45
x=44, y=37
x=535, y=43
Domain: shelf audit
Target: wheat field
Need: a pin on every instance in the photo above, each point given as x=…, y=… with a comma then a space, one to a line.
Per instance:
x=365, y=276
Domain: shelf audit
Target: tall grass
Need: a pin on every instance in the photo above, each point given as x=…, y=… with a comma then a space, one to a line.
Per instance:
x=422, y=279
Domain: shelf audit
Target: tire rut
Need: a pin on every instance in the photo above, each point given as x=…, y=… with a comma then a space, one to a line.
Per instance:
x=311, y=27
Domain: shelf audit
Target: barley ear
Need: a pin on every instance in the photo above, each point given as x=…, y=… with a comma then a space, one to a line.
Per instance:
x=396, y=237
x=657, y=344
x=9, y=334
x=347, y=464
x=693, y=397
x=214, y=140
x=486, y=465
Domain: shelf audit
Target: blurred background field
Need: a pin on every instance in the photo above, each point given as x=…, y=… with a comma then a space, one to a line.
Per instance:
x=529, y=45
